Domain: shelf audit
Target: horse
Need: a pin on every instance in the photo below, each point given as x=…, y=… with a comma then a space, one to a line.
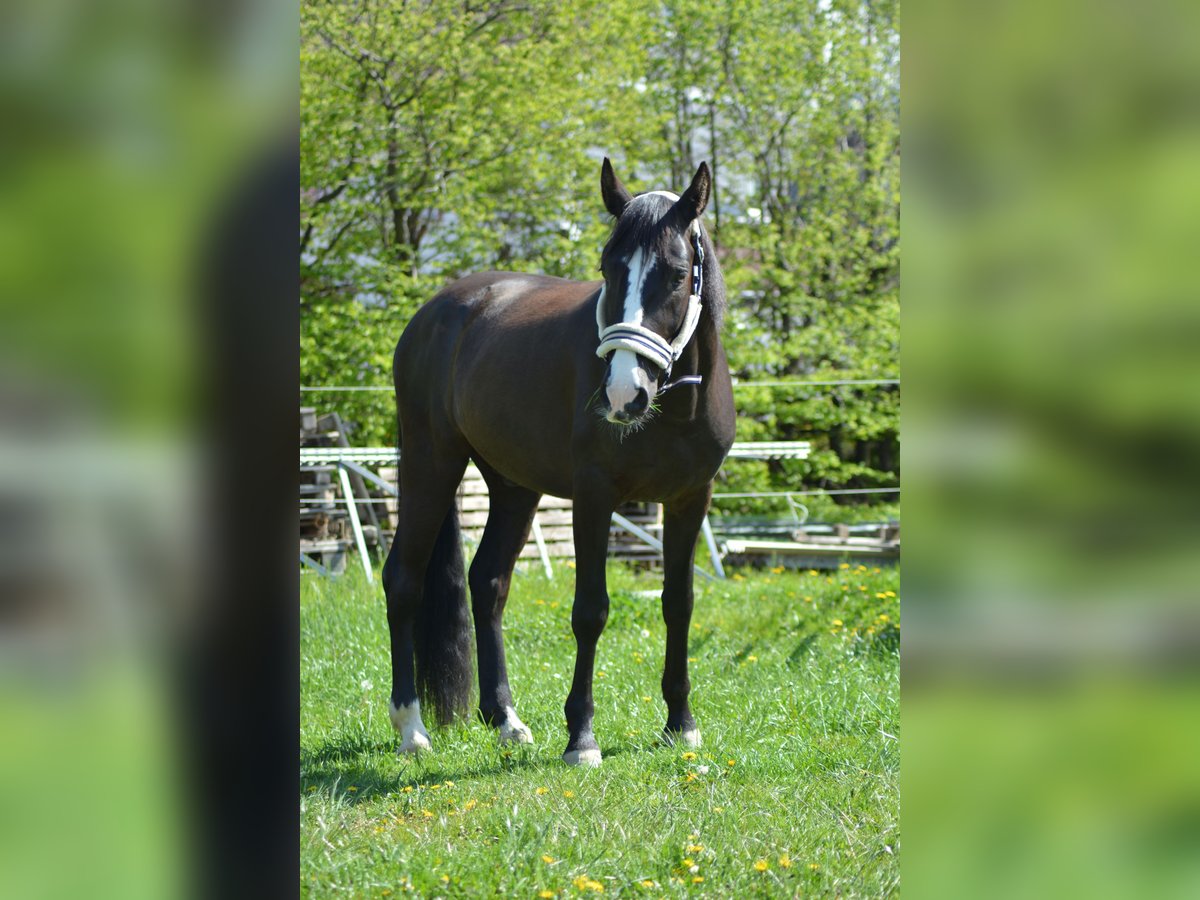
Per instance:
x=601, y=392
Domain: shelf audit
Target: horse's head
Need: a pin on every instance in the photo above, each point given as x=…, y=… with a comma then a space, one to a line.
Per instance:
x=650, y=303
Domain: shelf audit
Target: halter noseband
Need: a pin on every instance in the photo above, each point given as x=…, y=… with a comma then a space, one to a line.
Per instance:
x=647, y=344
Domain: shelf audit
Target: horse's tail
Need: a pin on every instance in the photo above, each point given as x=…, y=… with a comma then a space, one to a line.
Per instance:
x=442, y=631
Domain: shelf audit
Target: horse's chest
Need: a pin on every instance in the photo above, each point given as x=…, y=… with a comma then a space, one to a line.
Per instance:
x=668, y=469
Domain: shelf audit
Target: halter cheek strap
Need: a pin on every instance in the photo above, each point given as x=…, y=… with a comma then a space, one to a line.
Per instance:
x=644, y=342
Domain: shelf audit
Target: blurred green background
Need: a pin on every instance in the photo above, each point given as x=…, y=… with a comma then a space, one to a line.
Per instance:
x=1050, y=435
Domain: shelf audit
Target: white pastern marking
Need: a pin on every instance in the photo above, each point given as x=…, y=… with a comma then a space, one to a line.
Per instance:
x=406, y=719
x=583, y=758
x=689, y=738
x=513, y=730
x=626, y=377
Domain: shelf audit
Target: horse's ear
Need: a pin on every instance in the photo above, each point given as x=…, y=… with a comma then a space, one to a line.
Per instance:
x=695, y=198
x=616, y=195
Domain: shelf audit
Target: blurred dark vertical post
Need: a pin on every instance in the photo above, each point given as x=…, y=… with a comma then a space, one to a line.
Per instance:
x=148, y=282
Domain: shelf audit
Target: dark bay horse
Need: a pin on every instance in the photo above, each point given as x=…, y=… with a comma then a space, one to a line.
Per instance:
x=602, y=392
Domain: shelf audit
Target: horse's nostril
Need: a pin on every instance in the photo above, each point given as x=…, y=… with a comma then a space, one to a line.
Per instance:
x=638, y=404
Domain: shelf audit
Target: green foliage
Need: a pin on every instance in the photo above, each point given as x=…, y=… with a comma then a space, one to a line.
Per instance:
x=795, y=687
x=440, y=138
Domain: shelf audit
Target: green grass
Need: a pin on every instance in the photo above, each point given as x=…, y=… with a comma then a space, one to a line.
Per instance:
x=795, y=686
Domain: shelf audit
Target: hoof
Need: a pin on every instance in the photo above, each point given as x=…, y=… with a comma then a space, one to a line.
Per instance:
x=517, y=733
x=583, y=758
x=513, y=730
x=406, y=719
x=414, y=744
x=689, y=738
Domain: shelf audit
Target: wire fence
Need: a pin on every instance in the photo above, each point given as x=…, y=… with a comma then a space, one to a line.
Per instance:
x=737, y=385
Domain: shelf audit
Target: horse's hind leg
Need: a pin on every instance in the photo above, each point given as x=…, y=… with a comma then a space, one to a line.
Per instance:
x=510, y=515
x=428, y=482
x=681, y=526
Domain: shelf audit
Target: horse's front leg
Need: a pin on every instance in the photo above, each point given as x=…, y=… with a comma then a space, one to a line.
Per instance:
x=591, y=515
x=681, y=526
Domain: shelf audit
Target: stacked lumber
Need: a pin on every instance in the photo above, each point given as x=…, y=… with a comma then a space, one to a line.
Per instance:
x=325, y=533
x=820, y=548
x=553, y=516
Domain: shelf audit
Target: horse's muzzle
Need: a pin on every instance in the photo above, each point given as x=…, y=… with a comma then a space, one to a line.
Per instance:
x=631, y=411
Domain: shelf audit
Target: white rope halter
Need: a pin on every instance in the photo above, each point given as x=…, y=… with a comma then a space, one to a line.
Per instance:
x=644, y=342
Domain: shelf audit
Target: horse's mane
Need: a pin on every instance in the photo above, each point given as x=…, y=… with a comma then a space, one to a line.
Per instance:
x=640, y=226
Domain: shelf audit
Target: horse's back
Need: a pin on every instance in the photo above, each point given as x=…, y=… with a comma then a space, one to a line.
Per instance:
x=489, y=344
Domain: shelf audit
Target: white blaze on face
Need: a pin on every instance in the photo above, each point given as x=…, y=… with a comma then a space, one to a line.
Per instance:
x=626, y=377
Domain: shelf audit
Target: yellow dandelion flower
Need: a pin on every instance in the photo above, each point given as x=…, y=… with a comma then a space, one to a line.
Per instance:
x=880, y=595
x=697, y=879
x=752, y=658
x=445, y=879
x=778, y=570
x=449, y=784
x=730, y=762
x=761, y=865
x=884, y=617
x=689, y=755
x=352, y=788
x=601, y=674
x=435, y=787
x=471, y=804
x=542, y=790
x=647, y=883
x=844, y=566
x=548, y=860
x=427, y=814
x=814, y=866
x=738, y=577
x=836, y=623
x=687, y=861
x=546, y=895
x=595, y=886
x=691, y=776
x=785, y=861
x=693, y=837
x=693, y=659
x=408, y=789
x=718, y=809
x=645, y=699
x=568, y=794
x=694, y=848
x=580, y=882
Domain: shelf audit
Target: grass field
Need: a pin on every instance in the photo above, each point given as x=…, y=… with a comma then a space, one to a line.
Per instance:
x=795, y=791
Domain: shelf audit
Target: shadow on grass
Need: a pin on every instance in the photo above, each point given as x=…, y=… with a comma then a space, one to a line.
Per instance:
x=377, y=778
x=802, y=649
